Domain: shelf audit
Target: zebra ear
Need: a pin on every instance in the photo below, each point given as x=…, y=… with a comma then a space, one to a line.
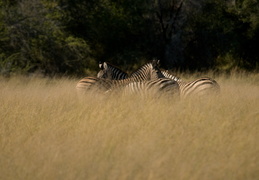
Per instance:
x=155, y=63
x=100, y=65
x=105, y=66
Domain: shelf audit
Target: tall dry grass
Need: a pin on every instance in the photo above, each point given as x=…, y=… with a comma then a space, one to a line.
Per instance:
x=47, y=133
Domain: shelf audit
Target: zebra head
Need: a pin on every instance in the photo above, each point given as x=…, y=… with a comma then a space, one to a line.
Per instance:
x=104, y=72
x=109, y=71
x=148, y=71
x=155, y=71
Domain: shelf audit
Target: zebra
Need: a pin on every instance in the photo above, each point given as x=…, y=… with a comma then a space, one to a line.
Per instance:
x=157, y=86
x=148, y=71
x=154, y=88
x=143, y=72
x=93, y=84
x=109, y=71
x=199, y=87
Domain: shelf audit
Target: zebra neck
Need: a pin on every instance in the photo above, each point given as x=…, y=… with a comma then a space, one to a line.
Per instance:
x=140, y=71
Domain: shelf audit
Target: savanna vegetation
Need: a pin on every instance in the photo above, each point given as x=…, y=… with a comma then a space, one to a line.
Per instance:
x=69, y=37
x=47, y=133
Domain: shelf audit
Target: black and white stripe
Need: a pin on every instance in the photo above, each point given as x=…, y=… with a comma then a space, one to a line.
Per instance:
x=148, y=71
x=156, y=87
x=109, y=71
x=198, y=87
x=153, y=88
x=93, y=84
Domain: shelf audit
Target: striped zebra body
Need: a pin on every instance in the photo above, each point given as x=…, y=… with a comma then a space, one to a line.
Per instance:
x=93, y=84
x=109, y=71
x=153, y=88
x=156, y=87
x=148, y=71
x=198, y=87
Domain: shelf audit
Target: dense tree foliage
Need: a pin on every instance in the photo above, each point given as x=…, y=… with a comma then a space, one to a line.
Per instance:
x=71, y=36
x=33, y=39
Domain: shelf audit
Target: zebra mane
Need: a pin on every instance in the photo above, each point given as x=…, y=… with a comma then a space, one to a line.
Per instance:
x=170, y=76
x=114, y=67
x=108, y=69
x=144, y=67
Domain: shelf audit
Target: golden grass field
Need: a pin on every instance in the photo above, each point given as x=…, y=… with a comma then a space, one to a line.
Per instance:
x=46, y=132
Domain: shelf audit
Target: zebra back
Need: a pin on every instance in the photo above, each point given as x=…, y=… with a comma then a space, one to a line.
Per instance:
x=157, y=87
x=199, y=87
x=109, y=71
x=93, y=84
